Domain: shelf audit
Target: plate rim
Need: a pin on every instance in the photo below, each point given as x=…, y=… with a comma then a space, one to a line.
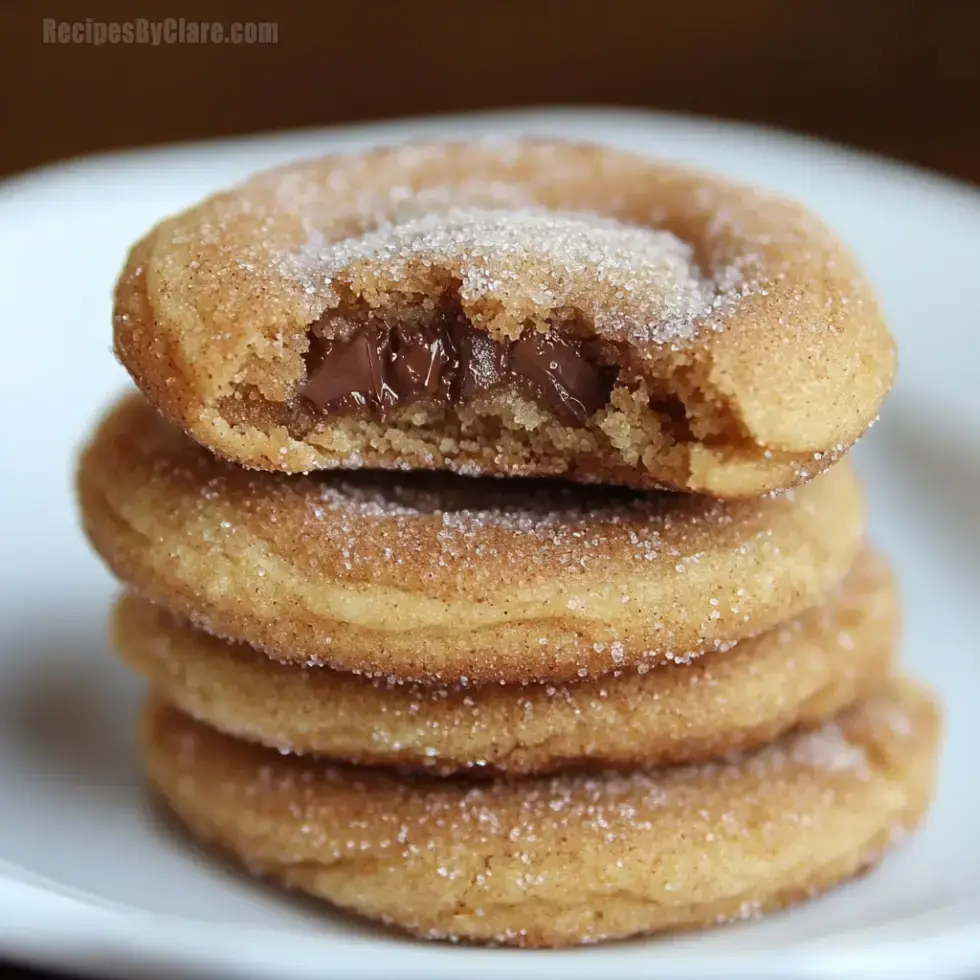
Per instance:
x=153, y=936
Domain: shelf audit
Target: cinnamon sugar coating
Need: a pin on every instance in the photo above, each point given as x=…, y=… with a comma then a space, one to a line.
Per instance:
x=798, y=674
x=440, y=578
x=568, y=859
x=743, y=348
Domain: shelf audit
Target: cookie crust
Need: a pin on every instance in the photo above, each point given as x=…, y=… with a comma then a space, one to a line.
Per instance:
x=750, y=349
x=798, y=674
x=556, y=861
x=448, y=579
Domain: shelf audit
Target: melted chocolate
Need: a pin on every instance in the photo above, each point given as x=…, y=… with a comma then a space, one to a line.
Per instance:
x=451, y=363
x=350, y=374
x=569, y=384
x=481, y=364
x=421, y=362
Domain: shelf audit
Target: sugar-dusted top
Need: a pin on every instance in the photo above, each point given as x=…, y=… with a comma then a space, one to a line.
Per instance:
x=510, y=266
x=675, y=272
x=403, y=527
x=723, y=797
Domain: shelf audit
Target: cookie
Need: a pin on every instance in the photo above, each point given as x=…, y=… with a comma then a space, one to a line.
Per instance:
x=451, y=579
x=800, y=673
x=560, y=860
x=521, y=308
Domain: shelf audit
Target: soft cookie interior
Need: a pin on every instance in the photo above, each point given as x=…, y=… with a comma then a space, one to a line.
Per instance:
x=418, y=355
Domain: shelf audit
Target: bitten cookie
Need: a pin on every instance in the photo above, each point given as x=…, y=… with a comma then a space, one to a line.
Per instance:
x=448, y=578
x=800, y=673
x=530, y=307
x=555, y=861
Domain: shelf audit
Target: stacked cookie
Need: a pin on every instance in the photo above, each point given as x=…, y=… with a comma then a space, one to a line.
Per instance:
x=485, y=549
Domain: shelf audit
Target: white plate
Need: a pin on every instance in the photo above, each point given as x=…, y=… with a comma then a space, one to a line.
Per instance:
x=89, y=877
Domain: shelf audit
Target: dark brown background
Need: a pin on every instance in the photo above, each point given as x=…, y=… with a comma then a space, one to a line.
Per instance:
x=902, y=78
x=898, y=76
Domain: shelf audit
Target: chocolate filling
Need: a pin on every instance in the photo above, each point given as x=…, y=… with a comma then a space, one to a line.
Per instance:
x=449, y=363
